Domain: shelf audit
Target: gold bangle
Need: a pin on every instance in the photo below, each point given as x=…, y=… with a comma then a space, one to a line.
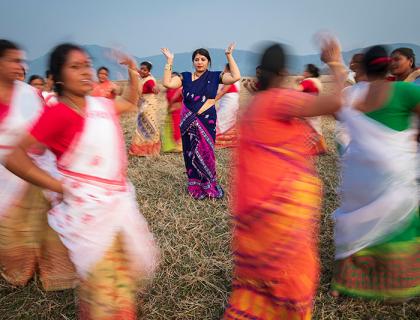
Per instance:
x=168, y=66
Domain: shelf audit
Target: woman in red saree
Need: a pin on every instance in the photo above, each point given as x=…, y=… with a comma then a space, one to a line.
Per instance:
x=277, y=196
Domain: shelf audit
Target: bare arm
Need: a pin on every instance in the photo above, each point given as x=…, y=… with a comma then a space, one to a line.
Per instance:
x=21, y=165
x=235, y=74
x=128, y=100
x=329, y=104
x=170, y=82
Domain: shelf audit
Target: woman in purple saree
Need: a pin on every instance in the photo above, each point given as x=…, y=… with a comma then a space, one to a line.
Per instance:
x=198, y=118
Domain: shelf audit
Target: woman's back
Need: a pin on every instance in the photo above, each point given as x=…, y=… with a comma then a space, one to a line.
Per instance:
x=272, y=145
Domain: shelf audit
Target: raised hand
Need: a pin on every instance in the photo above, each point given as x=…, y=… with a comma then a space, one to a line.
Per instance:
x=124, y=59
x=230, y=48
x=168, y=54
x=330, y=49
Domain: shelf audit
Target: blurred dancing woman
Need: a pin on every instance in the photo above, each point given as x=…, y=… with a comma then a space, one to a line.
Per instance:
x=312, y=85
x=98, y=219
x=198, y=118
x=377, y=226
x=277, y=195
x=146, y=138
x=227, y=112
x=171, y=137
x=27, y=243
x=104, y=87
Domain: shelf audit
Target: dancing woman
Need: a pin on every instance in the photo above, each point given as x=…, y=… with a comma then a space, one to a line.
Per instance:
x=27, y=244
x=227, y=112
x=146, y=138
x=277, y=195
x=98, y=219
x=198, y=118
x=377, y=226
x=104, y=87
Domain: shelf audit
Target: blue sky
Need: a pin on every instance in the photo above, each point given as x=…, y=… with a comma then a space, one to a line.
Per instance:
x=142, y=27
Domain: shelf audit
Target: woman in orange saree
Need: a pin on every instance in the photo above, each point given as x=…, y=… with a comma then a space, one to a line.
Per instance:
x=277, y=196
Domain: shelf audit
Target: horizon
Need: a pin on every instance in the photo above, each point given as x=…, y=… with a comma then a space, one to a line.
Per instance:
x=141, y=29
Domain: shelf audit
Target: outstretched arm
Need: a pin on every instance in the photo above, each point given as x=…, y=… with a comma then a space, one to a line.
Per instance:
x=21, y=165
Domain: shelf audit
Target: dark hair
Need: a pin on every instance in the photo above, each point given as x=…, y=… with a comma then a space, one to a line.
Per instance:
x=147, y=64
x=258, y=67
x=227, y=66
x=408, y=53
x=47, y=73
x=58, y=58
x=312, y=69
x=273, y=61
x=376, y=61
x=35, y=77
x=174, y=73
x=7, y=45
x=102, y=68
x=202, y=52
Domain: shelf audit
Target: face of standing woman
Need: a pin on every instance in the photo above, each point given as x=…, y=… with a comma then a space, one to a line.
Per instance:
x=201, y=63
x=11, y=64
x=103, y=75
x=77, y=73
x=400, y=64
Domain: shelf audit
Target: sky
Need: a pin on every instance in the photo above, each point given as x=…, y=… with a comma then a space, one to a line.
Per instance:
x=141, y=27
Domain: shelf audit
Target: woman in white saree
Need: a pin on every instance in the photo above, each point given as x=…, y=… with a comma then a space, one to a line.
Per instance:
x=377, y=224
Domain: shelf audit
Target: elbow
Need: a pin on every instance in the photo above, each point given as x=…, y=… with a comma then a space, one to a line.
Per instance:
x=237, y=78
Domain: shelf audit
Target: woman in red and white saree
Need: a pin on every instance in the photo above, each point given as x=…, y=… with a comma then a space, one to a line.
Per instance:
x=27, y=244
x=96, y=214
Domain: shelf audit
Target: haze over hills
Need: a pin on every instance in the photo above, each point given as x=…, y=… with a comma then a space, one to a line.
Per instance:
x=247, y=61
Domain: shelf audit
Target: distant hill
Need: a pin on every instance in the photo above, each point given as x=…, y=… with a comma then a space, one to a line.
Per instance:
x=246, y=60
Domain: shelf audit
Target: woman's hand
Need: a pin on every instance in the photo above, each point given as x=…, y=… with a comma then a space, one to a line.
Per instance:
x=330, y=49
x=230, y=49
x=168, y=55
x=124, y=59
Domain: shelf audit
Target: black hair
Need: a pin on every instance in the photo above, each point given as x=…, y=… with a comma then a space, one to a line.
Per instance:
x=408, y=53
x=202, y=52
x=376, y=61
x=102, y=68
x=273, y=62
x=147, y=64
x=7, y=45
x=227, y=66
x=58, y=58
x=313, y=70
x=35, y=77
x=47, y=74
x=258, y=67
x=174, y=73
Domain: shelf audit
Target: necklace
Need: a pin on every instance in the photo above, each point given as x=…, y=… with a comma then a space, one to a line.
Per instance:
x=196, y=76
x=74, y=106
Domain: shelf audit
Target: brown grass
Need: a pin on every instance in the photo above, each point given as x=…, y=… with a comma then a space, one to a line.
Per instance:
x=193, y=281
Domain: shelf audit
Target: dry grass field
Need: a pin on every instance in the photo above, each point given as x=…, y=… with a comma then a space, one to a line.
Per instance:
x=193, y=281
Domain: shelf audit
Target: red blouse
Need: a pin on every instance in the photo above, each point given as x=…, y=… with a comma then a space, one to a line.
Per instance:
x=148, y=86
x=57, y=127
x=4, y=110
